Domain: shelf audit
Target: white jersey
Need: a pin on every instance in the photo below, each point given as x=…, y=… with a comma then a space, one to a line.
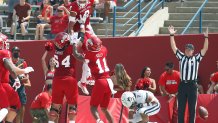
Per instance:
x=142, y=96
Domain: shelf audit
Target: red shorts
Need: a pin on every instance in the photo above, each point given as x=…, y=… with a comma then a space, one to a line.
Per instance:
x=3, y=98
x=64, y=86
x=13, y=97
x=101, y=94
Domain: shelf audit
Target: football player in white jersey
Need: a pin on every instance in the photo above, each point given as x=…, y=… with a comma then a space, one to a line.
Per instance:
x=141, y=104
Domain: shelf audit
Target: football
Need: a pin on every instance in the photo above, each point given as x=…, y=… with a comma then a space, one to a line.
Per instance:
x=203, y=112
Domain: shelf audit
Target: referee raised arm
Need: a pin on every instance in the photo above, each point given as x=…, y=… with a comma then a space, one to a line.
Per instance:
x=188, y=65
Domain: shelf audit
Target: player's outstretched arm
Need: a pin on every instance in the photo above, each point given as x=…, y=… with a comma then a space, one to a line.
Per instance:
x=172, y=32
x=14, y=71
x=76, y=54
x=205, y=47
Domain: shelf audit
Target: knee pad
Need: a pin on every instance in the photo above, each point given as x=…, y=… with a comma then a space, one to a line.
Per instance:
x=54, y=112
x=72, y=110
x=14, y=108
x=3, y=113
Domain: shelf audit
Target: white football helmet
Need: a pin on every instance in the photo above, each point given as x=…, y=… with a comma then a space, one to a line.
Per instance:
x=82, y=3
x=128, y=99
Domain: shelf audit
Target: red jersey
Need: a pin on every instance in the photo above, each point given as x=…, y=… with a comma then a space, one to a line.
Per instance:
x=58, y=24
x=22, y=11
x=65, y=62
x=44, y=10
x=42, y=100
x=170, y=81
x=81, y=11
x=4, y=73
x=97, y=63
x=49, y=75
x=214, y=78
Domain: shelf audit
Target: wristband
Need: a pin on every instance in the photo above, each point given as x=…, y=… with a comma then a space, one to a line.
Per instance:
x=82, y=26
x=205, y=36
x=72, y=19
x=171, y=34
x=81, y=36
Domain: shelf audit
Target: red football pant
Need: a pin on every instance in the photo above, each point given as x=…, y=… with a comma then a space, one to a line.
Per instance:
x=64, y=86
x=4, y=103
x=13, y=97
x=101, y=94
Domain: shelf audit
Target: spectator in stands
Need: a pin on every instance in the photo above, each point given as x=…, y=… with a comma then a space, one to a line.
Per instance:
x=214, y=81
x=40, y=106
x=107, y=5
x=122, y=81
x=66, y=7
x=11, y=4
x=21, y=17
x=59, y=23
x=169, y=81
x=25, y=82
x=42, y=24
x=146, y=72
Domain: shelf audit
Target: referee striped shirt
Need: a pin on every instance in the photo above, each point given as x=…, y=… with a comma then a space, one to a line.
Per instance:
x=188, y=65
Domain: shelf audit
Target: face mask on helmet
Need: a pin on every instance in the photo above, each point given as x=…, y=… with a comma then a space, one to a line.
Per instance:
x=82, y=3
x=61, y=41
x=3, y=41
x=128, y=99
x=94, y=44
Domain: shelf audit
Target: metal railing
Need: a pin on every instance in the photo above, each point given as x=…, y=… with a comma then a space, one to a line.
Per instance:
x=199, y=12
x=153, y=4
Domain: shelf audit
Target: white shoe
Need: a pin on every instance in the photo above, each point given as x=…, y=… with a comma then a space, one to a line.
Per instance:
x=99, y=121
x=83, y=88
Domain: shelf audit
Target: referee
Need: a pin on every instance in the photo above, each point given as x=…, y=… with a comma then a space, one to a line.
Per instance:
x=188, y=64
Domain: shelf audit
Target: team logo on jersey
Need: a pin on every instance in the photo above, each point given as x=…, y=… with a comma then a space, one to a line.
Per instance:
x=99, y=55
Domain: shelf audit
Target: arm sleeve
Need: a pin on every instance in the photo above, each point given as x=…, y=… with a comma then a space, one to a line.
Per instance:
x=179, y=54
x=5, y=55
x=198, y=57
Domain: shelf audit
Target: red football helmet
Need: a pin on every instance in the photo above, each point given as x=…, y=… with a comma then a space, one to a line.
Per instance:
x=3, y=41
x=93, y=43
x=61, y=40
x=82, y=3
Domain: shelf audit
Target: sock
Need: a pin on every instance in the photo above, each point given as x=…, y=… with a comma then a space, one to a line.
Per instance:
x=3, y=113
x=51, y=122
x=98, y=120
x=7, y=122
x=72, y=121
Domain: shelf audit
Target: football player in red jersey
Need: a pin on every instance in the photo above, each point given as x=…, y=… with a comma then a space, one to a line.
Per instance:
x=95, y=56
x=64, y=82
x=80, y=15
x=11, y=99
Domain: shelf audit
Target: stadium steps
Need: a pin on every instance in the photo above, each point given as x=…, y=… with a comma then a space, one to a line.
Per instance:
x=181, y=15
x=100, y=29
